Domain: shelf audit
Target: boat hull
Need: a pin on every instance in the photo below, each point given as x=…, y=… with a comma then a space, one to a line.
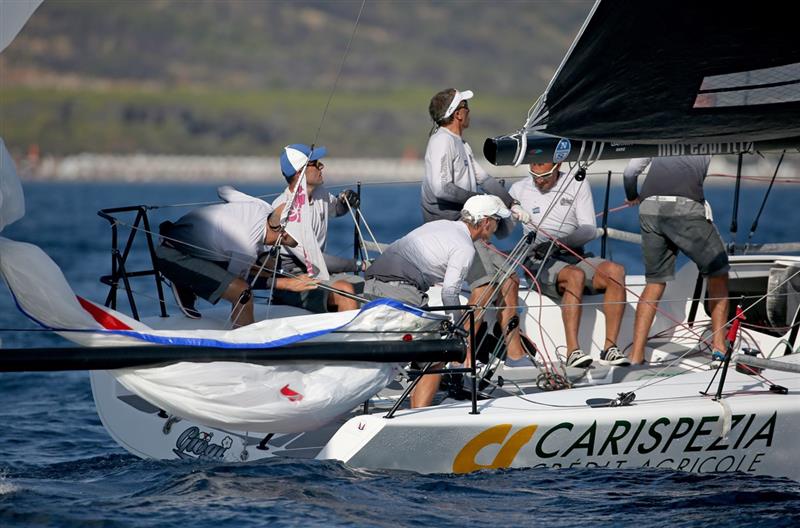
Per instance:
x=669, y=426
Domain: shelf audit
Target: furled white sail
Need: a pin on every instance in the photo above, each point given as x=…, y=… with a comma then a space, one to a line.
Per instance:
x=12, y=201
x=278, y=398
x=13, y=15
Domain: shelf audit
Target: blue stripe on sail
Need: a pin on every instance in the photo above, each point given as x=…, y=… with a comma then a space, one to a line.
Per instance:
x=216, y=343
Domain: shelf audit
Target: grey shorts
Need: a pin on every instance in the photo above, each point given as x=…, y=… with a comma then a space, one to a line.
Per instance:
x=407, y=293
x=548, y=277
x=487, y=265
x=205, y=278
x=670, y=225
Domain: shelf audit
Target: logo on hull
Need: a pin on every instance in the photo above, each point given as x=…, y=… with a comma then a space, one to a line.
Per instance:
x=194, y=443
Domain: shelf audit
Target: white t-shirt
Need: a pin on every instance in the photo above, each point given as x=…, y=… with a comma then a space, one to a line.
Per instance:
x=572, y=207
x=439, y=251
x=232, y=232
x=322, y=205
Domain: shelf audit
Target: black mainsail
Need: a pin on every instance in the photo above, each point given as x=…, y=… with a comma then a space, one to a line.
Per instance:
x=667, y=73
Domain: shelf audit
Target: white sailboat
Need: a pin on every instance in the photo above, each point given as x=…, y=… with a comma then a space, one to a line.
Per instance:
x=621, y=418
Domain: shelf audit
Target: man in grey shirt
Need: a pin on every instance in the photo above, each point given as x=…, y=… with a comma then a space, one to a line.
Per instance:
x=673, y=216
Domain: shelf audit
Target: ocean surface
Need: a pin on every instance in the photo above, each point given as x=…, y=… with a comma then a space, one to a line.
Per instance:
x=58, y=466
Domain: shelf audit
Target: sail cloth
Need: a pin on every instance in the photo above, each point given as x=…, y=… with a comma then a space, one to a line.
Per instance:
x=286, y=398
x=282, y=398
x=42, y=293
x=661, y=72
x=13, y=15
x=12, y=200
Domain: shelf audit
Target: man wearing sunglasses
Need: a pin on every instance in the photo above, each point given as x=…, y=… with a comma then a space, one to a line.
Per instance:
x=452, y=176
x=294, y=160
x=562, y=209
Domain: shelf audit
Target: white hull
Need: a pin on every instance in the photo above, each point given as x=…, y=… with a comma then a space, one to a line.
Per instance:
x=669, y=424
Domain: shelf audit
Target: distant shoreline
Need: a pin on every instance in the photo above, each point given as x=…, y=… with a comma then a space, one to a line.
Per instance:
x=143, y=168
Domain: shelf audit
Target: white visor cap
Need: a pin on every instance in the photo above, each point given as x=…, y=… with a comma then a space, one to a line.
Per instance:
x=457, y=98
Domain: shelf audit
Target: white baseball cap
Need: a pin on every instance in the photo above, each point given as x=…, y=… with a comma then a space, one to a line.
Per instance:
x=457, y=98
x=486, y=205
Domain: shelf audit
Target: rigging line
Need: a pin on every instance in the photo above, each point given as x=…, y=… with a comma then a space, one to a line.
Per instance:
x=371, y=234
x=614, y=210
x=291, y=203
x=752, y=306
x=358, y=229
x=196, y=204
x=339, y=73
x=754, y=225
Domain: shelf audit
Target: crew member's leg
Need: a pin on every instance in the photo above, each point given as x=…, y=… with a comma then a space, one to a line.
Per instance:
x=610, y=278
x=340, y=303
x=423, y=393
x=509, y=297
x=718, y=303
x=657, y=225
x=241, y=299
x=487, y=268
x=570, y=286
x=645, y=313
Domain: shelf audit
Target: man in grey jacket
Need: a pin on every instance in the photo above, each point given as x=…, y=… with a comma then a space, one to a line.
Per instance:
x=452, y=176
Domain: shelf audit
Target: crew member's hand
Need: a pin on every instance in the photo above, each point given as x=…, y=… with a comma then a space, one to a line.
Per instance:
x=300, y=283
x=351, y=197
x=520, y=214
x=635, y=201
x=364, y=264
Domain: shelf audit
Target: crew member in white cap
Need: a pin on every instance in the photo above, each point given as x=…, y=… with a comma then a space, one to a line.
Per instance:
x=440, y=251
x=294, y=159
x=452, y=176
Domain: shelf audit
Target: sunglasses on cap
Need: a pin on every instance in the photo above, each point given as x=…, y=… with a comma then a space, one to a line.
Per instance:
x=316, y=163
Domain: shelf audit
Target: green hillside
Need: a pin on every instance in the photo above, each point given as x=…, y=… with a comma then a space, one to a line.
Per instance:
x=248, y=76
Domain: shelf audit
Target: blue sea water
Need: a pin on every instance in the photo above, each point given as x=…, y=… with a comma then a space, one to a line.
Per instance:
x=58, y=466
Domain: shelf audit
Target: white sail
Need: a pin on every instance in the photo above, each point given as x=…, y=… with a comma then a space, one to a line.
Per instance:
x=12, y=201
x=13, y=15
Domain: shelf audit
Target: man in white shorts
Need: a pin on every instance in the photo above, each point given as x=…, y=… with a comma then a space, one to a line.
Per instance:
x=562, y=208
